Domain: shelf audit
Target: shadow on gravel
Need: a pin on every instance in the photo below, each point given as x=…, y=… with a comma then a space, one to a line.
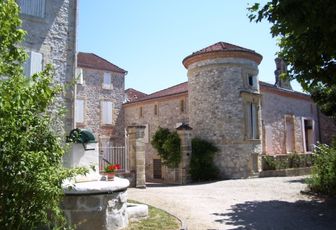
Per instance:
x=302, y=181
x=278, y=215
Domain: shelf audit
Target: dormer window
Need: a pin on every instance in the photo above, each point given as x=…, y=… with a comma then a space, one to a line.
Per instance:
x=252, y=81
x=107, y=81
x=34, y=8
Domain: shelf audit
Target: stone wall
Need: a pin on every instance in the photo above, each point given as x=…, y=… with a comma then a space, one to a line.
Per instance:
x=169, y=114
x=327, y=129
x=54, y=36
x=275, y=107
x=217, y=111
x=92, y=93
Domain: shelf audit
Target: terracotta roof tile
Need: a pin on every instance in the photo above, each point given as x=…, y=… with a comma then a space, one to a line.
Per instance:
x=90, y=60
x=133, y=94
x=183, y=88
x=222, y=46
x=220, y=49
x=176, y=89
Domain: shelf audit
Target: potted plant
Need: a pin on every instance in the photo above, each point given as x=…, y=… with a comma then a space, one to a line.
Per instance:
x=110, y=170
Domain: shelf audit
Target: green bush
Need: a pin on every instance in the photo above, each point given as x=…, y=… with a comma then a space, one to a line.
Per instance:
x=31, y=170
x=323, y=179
x=268, y=163
x=202, y=160
x=168, y=146
x=292, y=160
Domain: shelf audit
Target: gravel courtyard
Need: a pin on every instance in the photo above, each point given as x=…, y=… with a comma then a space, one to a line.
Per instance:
x=261, y=203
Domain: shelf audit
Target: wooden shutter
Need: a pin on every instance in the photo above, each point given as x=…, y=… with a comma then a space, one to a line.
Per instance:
x=106, y=112
x=33, y=64
x=79, y=111
x=254, y=118
x=79, y=76
x=107, y=81
x=33, y=7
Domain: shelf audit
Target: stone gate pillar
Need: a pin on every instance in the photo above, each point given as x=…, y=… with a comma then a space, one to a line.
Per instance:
x=184, y=132
x=136, y=152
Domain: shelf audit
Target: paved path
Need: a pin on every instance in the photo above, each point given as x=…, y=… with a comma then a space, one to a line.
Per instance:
x=261, y=203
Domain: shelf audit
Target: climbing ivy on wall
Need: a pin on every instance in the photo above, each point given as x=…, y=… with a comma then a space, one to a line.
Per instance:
x=168, y=145
x=202, y=160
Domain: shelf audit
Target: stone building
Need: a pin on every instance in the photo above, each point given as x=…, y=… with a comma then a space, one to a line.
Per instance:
x=225, y=103
x=99, y=98
x=51, y=39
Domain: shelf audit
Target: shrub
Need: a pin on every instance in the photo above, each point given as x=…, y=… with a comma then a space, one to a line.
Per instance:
x=202, y=160
x=323, y=179
x=268, y=163
x=168, y=146
x=31, y=169
x=292, y=160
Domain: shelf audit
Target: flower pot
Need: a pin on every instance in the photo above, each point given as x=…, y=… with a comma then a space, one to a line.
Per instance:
x=110, y=176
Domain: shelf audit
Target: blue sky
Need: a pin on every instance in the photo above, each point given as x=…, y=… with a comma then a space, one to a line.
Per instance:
x=150, y=38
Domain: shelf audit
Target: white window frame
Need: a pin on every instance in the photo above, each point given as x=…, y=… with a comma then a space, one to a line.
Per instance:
x=107, y=81
x=106, y=111
x=35, y=8
x=34, y=63
x=80, y=111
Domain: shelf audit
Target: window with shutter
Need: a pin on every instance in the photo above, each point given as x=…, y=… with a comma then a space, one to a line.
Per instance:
x=106, y=112
x=79, y=111
x=107, y=81
x=252, y=120
x=34, y=8
x=33, y=64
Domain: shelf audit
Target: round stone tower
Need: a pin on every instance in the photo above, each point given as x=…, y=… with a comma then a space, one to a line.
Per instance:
x=224, y=105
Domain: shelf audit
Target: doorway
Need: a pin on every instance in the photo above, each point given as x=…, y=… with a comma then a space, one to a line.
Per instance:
x=157, y=173
x=308, y=134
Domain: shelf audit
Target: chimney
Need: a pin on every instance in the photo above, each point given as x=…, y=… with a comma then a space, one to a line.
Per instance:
x=281, y=67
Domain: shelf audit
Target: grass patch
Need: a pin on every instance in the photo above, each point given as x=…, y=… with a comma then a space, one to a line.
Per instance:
x=157, y=219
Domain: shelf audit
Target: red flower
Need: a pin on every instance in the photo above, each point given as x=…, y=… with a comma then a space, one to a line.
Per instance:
x=111, y=168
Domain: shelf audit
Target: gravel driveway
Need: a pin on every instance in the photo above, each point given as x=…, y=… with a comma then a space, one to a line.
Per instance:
x=261, y=203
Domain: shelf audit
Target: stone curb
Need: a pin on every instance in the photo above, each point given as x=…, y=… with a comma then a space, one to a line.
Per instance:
x=286, y=172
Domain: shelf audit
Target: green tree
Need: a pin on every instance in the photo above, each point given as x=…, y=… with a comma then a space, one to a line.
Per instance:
x=31, y=170
x=305, y=29
x=202, y=160
x=168, y=146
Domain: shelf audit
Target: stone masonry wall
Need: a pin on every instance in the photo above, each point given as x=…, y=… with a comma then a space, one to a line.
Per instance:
x=327, y=129
x=54, y=36
x=217, y=111
x=168, y=116
x=92, y=93
x=274, y=109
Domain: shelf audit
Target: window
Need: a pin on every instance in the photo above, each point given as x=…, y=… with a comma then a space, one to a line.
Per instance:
x=34, y=8
x=252, y=121
x=155, y=109
x=106, y=112
x=79, y=76
x=107, y=81
x=79, y=111
x=252, y=81
x=140, y=112
x=33, y=64
x=182, y=106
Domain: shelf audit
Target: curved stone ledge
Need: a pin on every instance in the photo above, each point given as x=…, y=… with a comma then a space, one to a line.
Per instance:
x=95, y=187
